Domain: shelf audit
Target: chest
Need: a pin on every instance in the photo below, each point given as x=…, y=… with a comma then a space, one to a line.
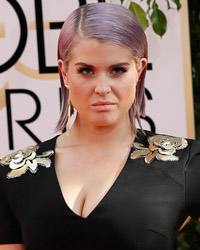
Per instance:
x=85, y=182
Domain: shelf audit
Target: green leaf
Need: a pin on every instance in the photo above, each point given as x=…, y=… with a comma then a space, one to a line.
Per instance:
x=159, y=22
x=178, y=4
x=149, y=6
x=140, y=14
x=148, y=2
x=155, y=5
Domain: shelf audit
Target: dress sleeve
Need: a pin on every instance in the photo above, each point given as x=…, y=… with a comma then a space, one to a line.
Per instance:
x=192, y=181
x=10, y=230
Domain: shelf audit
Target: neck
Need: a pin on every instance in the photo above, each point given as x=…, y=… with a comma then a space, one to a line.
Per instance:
x=119, y=133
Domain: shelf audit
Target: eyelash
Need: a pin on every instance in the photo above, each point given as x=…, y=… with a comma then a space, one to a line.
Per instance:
x=121, y=69
x=87, y=70
x=82, y=69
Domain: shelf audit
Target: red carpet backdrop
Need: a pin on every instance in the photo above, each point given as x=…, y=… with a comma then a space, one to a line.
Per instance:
x=29, y=83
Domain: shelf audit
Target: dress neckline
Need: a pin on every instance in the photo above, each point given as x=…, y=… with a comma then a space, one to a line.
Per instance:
x=106, y=195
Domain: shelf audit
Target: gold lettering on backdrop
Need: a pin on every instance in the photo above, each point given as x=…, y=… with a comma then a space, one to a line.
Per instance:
x=25, y=70
x=2, y=30
x=46, y=25
x=3, y=96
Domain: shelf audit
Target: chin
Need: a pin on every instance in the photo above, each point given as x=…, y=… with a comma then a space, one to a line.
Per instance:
x=106, y=119
x=104, y=122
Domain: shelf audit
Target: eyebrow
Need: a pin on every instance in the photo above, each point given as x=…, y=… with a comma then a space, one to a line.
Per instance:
x=112, y=66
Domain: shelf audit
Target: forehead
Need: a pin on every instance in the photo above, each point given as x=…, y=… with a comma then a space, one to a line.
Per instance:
x=93, y=51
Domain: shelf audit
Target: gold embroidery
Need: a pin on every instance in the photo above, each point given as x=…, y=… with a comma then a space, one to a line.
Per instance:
x=26, y=159
x=161, y=147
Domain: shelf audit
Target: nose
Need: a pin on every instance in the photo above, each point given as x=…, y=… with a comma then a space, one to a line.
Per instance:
x=102, y=86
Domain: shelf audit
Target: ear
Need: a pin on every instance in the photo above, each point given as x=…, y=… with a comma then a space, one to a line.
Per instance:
x=142, y=65
x=62, y=70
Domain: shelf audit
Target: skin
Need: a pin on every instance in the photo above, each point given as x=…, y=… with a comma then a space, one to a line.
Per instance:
x=101, y=81
x=12, y=247
x=84, y=185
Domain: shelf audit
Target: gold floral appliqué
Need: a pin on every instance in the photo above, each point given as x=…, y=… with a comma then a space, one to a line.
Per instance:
x=161, y=147
x=26, y=159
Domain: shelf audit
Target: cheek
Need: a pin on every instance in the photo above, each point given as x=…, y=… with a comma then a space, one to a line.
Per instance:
x=127, y=92
x=132, y=84
x=79, y=94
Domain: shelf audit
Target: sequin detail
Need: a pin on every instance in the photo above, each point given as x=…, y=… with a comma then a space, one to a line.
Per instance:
x=26, y=159
x=161, y=147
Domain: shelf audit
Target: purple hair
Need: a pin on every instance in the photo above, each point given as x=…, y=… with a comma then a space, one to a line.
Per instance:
x=105, y=22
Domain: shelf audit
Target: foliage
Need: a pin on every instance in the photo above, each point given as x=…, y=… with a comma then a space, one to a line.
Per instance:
x=189, y=237
x=159, y=21
x=140, y=14
x=153, y=14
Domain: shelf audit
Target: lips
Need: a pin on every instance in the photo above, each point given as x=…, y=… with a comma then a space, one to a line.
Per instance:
x=99, y=103
x=103, y=105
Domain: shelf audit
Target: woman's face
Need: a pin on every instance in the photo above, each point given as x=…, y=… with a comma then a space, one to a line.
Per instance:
x=102, y=80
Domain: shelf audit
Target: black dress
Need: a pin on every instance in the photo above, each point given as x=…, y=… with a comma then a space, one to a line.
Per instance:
x=154, y=193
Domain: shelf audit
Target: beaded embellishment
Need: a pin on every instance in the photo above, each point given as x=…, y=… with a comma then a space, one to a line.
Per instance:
x=26, y=159
x=161, y=147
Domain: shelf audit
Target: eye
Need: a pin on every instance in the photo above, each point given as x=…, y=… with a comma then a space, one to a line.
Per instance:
x=118, y=70
x=85, y=71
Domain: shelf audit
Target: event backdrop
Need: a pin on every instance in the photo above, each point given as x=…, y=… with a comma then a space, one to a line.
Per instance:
x=29, y=83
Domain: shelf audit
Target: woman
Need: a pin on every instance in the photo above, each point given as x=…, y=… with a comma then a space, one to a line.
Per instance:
x=102, y=184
